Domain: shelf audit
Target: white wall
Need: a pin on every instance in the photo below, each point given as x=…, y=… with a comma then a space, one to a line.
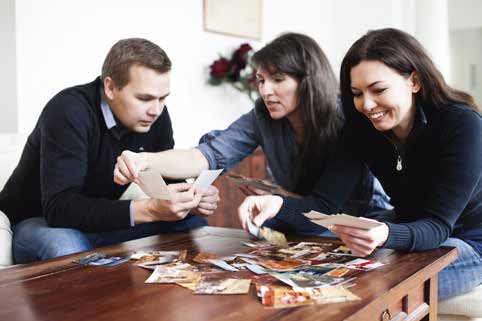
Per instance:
x=466, y=46
x=312, y=17
x=467, y=63
x=426, y=20
x=63, y=43
x=465, y=14
x=432, y=30
x=352, y=19
x=8, y=118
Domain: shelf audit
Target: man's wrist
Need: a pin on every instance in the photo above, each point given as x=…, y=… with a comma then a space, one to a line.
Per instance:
x=385, y=235
x=142, y=212
x=145, y=158
x=278, y=199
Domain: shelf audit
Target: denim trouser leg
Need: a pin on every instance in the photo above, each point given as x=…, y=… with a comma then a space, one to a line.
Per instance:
x=143, y=230
x=34, y=240
x=462, y=275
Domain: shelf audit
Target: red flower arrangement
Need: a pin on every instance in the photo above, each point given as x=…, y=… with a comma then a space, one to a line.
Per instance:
x=236, y=71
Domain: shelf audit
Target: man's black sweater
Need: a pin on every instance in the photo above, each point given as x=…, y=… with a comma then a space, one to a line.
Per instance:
x=66, y=169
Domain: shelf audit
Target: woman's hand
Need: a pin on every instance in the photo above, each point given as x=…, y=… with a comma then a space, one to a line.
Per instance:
x=259, y=209
x=209, y=202
x=128, y=166
x=360, y=241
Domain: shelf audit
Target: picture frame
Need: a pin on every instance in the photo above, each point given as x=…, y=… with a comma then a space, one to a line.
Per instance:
x=239, y=18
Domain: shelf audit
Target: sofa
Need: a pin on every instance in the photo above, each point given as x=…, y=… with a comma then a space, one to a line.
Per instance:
x=11, y=146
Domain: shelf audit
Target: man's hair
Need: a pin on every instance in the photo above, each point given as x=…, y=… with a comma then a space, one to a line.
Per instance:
x=133, y=51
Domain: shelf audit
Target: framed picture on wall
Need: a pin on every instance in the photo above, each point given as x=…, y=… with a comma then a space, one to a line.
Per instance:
x=240, y=18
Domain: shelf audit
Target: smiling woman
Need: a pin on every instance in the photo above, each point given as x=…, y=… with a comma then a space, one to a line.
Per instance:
x=423, y=140
x=384, y=96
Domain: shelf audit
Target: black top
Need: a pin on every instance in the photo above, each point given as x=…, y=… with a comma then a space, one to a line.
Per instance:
x=66, y=169
x=437, y=188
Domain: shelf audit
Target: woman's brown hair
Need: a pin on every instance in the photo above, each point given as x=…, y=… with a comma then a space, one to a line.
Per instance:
x=301, y=57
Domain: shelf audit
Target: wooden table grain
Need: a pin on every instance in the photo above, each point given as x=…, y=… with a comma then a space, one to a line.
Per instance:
x=404, y=289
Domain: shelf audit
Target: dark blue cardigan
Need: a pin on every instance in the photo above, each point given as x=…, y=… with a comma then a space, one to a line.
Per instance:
x=438, y=191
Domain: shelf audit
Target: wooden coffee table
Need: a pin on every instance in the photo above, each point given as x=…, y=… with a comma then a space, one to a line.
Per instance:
x=404, y=289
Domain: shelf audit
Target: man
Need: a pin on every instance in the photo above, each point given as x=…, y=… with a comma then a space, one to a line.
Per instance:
x=61, y=198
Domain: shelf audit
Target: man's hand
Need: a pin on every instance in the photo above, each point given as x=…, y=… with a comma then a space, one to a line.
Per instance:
x=259, y=208
x=249, y=190
x=128, y=166
x=360, y=241
x=183, y=200
x=209, y=202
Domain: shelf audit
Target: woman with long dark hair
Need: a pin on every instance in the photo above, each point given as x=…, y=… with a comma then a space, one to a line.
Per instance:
x=297, y=123
x=423, y=141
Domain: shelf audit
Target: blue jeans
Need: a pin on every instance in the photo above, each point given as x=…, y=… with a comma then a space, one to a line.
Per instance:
x=463, y=274
x=34, y=240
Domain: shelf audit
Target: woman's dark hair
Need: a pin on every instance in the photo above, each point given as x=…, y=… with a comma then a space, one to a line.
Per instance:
x=300, y=57
x=404, y=54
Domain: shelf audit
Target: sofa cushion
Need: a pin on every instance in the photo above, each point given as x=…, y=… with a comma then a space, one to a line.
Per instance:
x=469, y=304
x=451, y=317
x=5, y=242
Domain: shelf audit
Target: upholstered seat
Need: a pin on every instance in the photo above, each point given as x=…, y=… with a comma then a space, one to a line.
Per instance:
x=467, y=307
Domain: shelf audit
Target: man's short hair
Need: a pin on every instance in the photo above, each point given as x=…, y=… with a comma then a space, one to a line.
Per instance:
x=133, y=51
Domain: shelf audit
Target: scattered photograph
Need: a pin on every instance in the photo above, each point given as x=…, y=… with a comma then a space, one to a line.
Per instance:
x=223, y=286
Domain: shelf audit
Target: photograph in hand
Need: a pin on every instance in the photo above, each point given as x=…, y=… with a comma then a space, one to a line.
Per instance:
x=341, y=219
x=152, y=183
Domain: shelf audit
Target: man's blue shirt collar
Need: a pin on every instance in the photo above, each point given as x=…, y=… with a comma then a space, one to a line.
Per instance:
x=106, y=111
x=117, y=129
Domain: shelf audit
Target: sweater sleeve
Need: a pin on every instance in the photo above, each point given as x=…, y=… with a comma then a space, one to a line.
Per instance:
x=460, y=168
x=163, y=132
x=332, y=189
x=67, y=126
x=231, y=145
